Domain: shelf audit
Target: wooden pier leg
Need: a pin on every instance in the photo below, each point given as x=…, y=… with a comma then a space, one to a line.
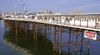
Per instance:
x=89, y=47
x=25, y=31
x=45, y=30
x=36, y=31
x=10, y=24
x=76, y=46
x=69, y=40
x=50, y=31
x=82, y=40
x=28, y=26
x=20, y=27
x=16, y=27
x=54, y=38
x=60, y=40
x=33, y=29
x=35, y=35
x=47, y=34
x=13, y=26
x=25, y=28
x=58, y=37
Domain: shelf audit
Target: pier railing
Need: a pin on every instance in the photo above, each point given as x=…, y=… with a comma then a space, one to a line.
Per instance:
x=88, y=22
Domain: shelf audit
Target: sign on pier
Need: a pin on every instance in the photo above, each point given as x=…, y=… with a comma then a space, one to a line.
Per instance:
x=90, y=35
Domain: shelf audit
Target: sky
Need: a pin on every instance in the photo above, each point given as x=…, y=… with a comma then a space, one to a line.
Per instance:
x=58, y=6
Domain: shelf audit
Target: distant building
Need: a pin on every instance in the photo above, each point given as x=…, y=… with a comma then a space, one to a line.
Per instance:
x=74, y=12
x=79, y=12
x=42, y=12
x=46, y=11
x=12, y=13
x=50, y=12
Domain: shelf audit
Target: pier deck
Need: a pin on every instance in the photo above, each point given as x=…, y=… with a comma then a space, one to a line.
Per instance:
x=52, y=23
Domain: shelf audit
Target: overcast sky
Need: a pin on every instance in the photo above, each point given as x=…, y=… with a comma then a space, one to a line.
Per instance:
x=58, y=6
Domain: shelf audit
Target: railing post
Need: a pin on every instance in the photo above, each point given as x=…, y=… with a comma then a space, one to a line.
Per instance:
x=95, y=23
x=74, y=21
x=69, y=20
x=87, y=22
x=60, y=20
x=80, y=22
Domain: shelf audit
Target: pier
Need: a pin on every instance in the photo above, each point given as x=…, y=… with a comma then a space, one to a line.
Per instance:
x=59, y=28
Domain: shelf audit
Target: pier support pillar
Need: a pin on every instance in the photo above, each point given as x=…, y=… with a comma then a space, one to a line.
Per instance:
x=45, y=30
x=13, y=26
x=25, y=28
x=28, y=26
x=69, y=40
x=76, y=46
x=16, y=27
x=36, y=31
x=82, y=40
x=33, y=30
x=54, y=38
x=88, y=46
x=58, y=36
x=50, y=32
x=20, y=26
x=60, y=40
